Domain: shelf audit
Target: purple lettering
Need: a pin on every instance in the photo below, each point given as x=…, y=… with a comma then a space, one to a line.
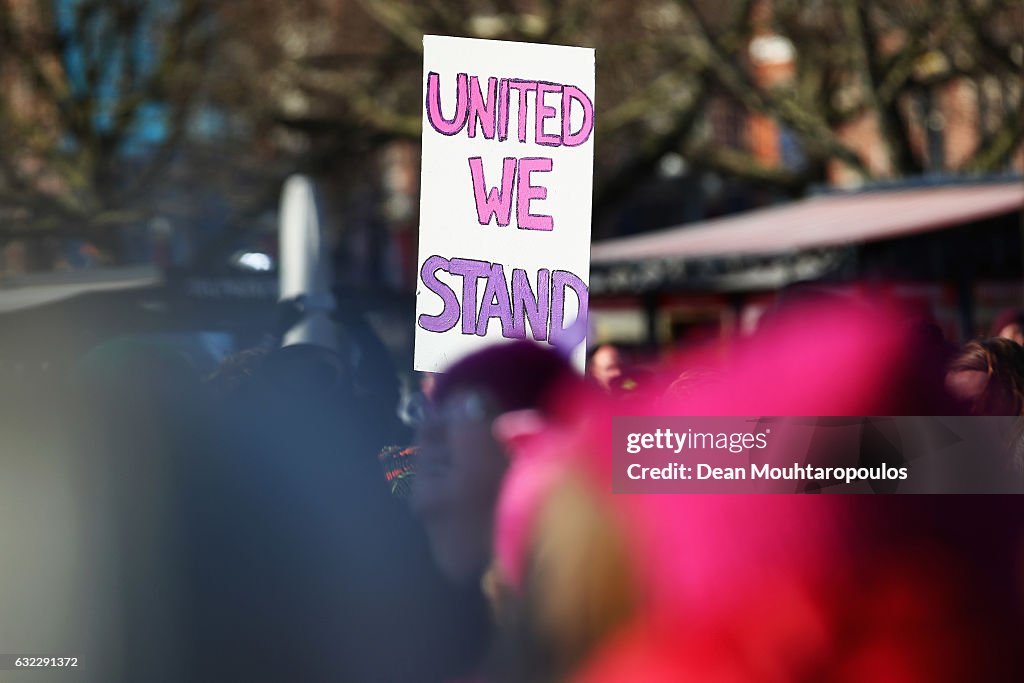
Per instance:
x=560, y=336
x=495, y=303
x=529, y=307
x=471, y=271
x=447, y=318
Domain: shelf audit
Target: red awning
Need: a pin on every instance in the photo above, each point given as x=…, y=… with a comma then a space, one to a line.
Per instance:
x=819, y=222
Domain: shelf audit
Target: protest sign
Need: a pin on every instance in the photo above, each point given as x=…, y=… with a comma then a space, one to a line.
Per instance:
x=505, y=197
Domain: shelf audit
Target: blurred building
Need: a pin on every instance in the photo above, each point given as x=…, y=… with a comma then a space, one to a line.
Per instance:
x=951, y=248
x=727, y=259
x=948, y=117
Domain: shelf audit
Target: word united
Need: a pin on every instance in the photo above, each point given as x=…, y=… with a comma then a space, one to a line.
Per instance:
x=490, y=114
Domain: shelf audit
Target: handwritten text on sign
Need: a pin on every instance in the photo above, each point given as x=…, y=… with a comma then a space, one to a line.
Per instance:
x=506, y=187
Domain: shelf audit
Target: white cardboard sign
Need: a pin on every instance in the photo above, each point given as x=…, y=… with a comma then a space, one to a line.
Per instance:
x=506, y=187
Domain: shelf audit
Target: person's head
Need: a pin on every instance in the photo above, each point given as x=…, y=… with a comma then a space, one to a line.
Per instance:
x=690, y=381
x=606, y=366
x=1010, y=325
x=988, y=376
x=460, y=463
x=427, y=382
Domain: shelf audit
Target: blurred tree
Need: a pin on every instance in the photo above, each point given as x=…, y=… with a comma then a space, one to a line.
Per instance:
x=97, y=98
x=779, y=94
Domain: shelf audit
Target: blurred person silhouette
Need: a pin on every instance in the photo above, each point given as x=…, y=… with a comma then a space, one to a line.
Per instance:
x=1009, y=324
x=690, y=381
x=916, y=384
x=299, y=563
x=462, y=457
x=134, y=403
x=370, y=369
x=460, y=462
x=414, y=402
x=607, y=367
x=988, y=377
x=604, y=588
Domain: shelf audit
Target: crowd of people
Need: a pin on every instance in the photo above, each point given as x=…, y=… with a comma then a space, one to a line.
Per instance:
x=513, y=485
x=312, y=530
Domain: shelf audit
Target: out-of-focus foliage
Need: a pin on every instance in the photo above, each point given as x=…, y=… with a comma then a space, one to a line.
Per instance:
x=95, y=103
x=244, y=92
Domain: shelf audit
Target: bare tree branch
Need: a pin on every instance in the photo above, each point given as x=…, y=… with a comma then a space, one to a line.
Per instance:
x=396, y=18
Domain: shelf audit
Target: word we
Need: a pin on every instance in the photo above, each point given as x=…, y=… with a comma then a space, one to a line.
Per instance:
x=497, y=202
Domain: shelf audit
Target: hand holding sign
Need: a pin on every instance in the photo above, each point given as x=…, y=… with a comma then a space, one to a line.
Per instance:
x=506, y=196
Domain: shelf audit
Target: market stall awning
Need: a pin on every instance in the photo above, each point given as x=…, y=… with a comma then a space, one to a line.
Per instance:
x=820, y=223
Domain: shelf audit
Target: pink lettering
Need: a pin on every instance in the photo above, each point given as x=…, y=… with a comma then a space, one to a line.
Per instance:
x=495, y=202
x=570, y=139
x=480, y=112
x=434, y=114
x=528, y=192
x=543, y=112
